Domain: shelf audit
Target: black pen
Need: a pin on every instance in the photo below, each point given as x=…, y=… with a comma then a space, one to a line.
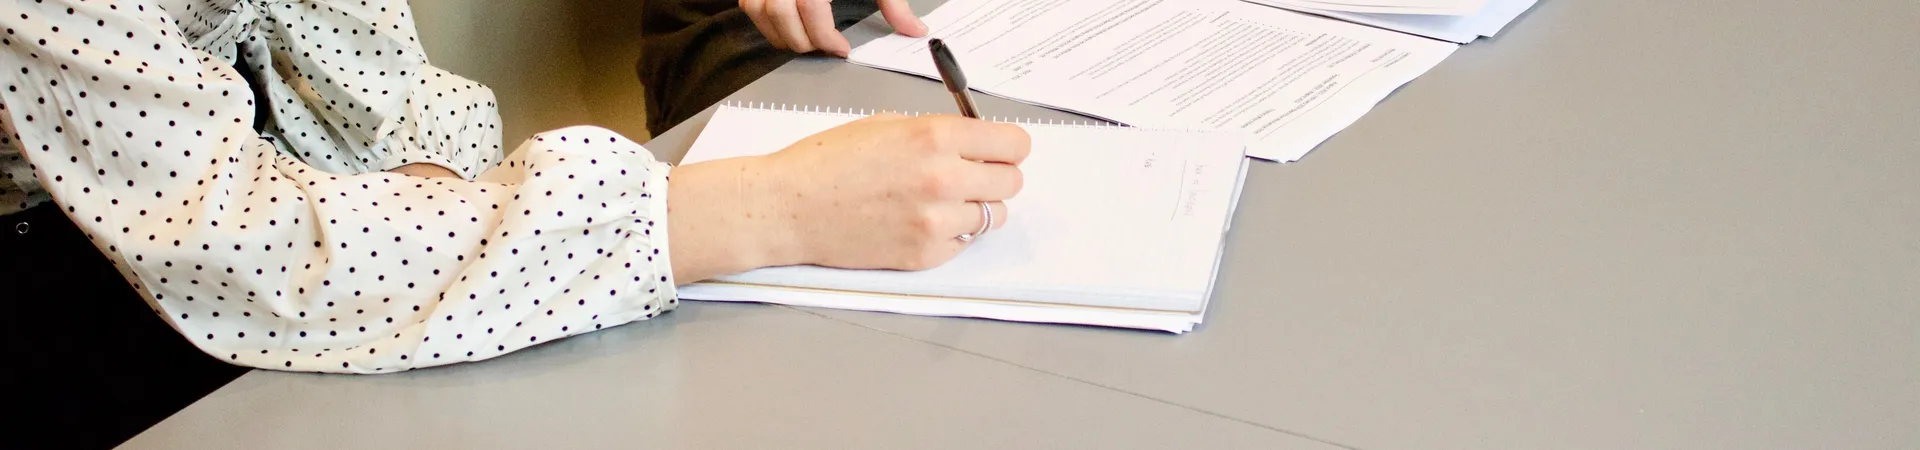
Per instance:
x=951, y=75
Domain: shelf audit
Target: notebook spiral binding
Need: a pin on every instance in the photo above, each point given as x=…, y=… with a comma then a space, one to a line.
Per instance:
x=861, y=112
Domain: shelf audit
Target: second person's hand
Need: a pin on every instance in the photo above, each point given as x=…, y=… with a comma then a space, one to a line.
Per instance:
x=804, y=26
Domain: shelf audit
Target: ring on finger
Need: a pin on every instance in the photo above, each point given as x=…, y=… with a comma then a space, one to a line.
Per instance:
x=986, y=223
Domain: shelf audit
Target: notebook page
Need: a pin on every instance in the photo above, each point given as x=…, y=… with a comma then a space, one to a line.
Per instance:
x=1018, y=312
x=1290, y=80
x=1109, y=217
x=943, y=307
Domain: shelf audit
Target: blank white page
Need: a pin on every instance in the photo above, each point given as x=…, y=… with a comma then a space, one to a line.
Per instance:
x=1109, y=217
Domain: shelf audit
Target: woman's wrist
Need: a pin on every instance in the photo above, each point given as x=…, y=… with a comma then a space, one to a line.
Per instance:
x=425, y=170
x=727, y=216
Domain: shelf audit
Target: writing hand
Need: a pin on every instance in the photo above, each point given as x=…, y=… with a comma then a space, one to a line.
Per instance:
x=884, y=192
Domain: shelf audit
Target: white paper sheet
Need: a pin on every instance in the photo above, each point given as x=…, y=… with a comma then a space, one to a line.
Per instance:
x=1289, y=80
x=1421, y=7
x=1459, y=29
x=1115, y=226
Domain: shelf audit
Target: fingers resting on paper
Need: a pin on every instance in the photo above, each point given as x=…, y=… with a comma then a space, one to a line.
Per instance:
x=817, y=17
x=900, y=15
x=804, y=26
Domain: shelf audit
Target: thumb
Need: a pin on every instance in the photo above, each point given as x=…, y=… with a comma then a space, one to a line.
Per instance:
x=901, y=17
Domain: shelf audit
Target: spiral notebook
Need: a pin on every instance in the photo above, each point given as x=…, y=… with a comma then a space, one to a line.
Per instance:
x=1116, y=226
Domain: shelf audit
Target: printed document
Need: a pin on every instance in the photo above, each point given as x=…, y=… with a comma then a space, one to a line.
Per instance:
x=1288, y=80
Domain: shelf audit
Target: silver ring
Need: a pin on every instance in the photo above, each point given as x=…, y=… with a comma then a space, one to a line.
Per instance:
x=21, y=228
x=986, y=223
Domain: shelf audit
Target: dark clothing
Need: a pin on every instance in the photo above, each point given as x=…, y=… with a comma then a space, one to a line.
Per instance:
x=87, y=364
x=697, y=52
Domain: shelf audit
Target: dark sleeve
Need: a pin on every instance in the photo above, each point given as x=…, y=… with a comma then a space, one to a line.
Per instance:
x=696, y=52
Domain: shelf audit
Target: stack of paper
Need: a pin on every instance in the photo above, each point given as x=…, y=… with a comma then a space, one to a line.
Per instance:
x=1289, y=80
x=1429, y=7
x=1115, y=227
x=1488, y=20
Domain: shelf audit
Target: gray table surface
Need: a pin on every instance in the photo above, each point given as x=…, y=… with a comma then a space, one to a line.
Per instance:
x=1622, y=224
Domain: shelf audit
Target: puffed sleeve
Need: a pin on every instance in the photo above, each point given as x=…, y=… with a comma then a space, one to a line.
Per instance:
x=261, y=260
x=347, y=86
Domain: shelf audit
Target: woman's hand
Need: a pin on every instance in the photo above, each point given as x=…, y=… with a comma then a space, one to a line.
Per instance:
x=884, y=192
x=891, y=192
x=807, y=25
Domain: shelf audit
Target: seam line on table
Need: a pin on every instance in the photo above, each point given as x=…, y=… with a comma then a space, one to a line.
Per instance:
x=1081, y=380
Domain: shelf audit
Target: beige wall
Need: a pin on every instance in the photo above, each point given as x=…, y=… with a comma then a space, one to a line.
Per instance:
x=552, y=63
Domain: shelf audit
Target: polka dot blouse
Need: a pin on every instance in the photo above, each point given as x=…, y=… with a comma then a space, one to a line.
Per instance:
x=288, y=248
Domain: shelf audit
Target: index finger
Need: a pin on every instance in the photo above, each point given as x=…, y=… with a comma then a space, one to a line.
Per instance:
x=901, y=17
x=985, y=141
x=817, y=17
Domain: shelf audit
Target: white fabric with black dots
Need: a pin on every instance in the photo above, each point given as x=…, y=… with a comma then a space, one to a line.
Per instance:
x=292, y=250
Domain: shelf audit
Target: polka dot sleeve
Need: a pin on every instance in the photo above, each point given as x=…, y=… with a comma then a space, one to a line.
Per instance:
x=453, y=123
x=263, y=260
